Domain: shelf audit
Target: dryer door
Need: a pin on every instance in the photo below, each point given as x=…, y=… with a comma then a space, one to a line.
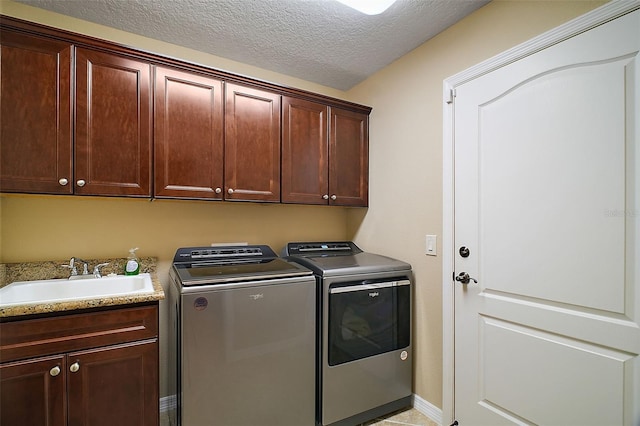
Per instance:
x=367, y=318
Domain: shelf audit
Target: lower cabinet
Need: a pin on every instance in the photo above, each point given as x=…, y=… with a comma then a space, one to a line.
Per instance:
x=115, y=382
x=96, y=385
x=33, y=392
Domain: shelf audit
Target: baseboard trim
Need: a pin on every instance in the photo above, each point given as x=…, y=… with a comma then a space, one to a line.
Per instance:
x=428, y=409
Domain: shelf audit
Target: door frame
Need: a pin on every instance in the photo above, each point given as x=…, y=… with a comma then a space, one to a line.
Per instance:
x=594, y=18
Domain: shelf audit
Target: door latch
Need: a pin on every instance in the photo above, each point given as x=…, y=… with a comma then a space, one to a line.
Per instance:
x=464, y=278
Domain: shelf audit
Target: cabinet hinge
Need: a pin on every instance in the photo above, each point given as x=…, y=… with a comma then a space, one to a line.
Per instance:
x=450, y=96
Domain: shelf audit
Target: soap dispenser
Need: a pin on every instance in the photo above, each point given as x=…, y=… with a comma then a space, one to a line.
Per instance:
x=133, y=264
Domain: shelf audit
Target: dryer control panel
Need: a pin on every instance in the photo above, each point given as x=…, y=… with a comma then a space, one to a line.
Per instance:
x=333, y=248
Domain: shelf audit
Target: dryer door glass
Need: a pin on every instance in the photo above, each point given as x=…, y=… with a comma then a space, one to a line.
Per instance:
x=367, y=318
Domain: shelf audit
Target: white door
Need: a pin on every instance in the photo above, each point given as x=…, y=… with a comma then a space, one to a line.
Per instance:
x=547, y=202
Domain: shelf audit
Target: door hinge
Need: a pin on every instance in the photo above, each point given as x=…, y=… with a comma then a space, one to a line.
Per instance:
x=451, y=96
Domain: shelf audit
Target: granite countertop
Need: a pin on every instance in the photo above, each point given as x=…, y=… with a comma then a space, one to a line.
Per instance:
x=30, y=271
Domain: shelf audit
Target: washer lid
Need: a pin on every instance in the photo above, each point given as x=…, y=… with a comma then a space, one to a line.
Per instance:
x=227, y=272
x=228, y=264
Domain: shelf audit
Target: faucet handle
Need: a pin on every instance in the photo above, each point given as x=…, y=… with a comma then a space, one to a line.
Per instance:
x=96, y=269
x=72, y=266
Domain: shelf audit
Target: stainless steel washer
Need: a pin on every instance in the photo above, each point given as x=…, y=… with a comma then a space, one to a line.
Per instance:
x=243, y=331
x=364, y=333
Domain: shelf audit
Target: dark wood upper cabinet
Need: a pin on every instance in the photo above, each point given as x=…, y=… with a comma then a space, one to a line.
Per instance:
x=35, y=116
x=113, y=125
x=89, y=117
x=188, y=138
x=349, y=158
x=305, y=151
x=320, y=167
x=252, y=144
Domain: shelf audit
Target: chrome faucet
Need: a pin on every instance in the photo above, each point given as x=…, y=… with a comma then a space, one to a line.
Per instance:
x=85, y=269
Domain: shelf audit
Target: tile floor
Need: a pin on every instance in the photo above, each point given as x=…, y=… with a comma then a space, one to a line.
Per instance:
x=410, y=417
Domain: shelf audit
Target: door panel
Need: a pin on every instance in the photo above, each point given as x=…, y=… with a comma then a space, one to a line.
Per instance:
x=32, y=392
x=252, y=144
x=35, y=125
x=305, y=152
x=114, y=385
x=545, y=194
x=349, y=158
x=546, y=199
x=188, y=135
x=113, y=125
x=549, y=367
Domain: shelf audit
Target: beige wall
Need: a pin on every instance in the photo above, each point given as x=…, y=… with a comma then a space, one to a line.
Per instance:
x=406, y=153
x=405, y=173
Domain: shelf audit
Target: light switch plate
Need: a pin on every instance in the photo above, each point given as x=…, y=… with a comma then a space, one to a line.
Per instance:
x=431, y=245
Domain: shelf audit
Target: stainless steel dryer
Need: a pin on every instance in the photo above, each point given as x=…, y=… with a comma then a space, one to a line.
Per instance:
x=364, y=331
x=243, y=337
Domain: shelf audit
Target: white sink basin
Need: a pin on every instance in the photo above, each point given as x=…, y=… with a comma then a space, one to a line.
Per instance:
x=63, y=290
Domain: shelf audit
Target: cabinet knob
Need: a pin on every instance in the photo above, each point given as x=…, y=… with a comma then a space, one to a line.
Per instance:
x=218, y=190
x=81, y=182
x=74, y=367
x=55, y=371
x=334, y=197
x=230, y=191
x=325, y=197
x=63, y=181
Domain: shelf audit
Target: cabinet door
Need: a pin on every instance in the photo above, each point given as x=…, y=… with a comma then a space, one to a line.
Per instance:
x=113, y=125
x=305, y=152
x=349, y=158
x=32, y=392
x=35, y=123
x=252, y=144
x=188, y=138
x=116, y=385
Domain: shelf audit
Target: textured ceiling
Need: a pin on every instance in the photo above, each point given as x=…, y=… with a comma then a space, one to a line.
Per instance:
x=322, y=41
